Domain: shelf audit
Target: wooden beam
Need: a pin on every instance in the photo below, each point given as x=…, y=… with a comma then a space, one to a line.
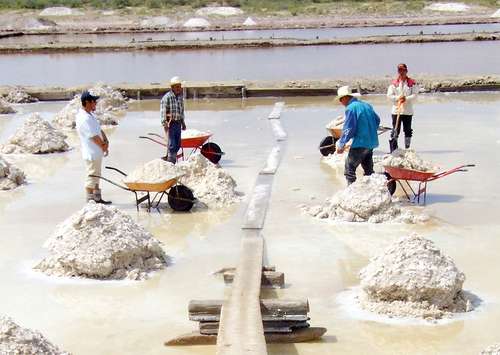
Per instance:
x=210, y=328
x=298, y=336
x=269, y=279
x=267, y=306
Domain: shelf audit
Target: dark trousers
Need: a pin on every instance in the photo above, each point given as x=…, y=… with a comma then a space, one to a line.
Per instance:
x=405, y=121
x=357, y=156
x=174, y=140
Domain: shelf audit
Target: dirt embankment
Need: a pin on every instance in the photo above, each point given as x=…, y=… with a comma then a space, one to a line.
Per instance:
x=241, y=43
x=173, y=19
x=221, y=89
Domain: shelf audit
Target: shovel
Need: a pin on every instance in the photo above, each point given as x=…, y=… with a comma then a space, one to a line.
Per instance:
x=393, y=142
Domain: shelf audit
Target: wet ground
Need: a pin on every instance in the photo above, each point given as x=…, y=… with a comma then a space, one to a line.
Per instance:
x=316, y=33
x=311, y=62
x=320, y=261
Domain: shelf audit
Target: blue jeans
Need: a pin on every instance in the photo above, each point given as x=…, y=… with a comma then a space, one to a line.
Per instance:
x=174, y=140
x=356, y=156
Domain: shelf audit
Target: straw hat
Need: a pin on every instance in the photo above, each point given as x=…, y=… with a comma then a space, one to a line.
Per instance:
x=175, y=81
x=345, y=91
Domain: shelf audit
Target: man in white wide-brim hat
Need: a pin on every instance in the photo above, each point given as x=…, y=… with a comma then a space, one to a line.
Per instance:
x=361, y=125
x=172, y=117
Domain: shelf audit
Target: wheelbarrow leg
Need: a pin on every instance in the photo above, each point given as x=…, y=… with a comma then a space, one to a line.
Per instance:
x=136, y=201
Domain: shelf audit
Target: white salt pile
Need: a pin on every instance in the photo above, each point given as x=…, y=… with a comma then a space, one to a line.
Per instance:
x=5, y=107
x=18, y=96
x=249, y=22
x=10, y=176
x=36, y=136
x=219, y=11
x=496, y=13
x=412, y=278
x=17, y=340
x=196, y=22
x=193, y=133
x=491, y=350
x=159, y=21
x=334, y=160
x=101, y=242
x=154, y=172
x=211, y=185
x=110, y=103
x=366, y=200
x=405, y=158
x=448, y=6
x=60, y=11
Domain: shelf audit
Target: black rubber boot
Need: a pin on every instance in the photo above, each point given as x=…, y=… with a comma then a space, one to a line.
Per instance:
x=98, y=198
x=407, y=142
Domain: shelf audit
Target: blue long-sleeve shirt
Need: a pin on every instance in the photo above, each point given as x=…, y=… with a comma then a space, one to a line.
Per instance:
x=361, y=125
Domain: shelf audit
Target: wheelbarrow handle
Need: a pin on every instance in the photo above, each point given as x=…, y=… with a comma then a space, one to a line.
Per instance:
x=115, y=169
x=153, y=140
x=111, y=182
x=156, y=134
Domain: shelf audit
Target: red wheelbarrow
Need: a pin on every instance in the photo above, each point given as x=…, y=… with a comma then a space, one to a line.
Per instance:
x=402, y=176
x=209, y=150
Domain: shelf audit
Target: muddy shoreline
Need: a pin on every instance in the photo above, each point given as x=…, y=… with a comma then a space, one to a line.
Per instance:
x=244, y=89
x=51, y=47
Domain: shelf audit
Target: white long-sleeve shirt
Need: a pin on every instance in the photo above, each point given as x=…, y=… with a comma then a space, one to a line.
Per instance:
x=407, y=88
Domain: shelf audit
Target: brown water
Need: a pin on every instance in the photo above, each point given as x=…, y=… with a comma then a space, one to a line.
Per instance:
x=319, y=260
x=299, y=33
x=313, y=62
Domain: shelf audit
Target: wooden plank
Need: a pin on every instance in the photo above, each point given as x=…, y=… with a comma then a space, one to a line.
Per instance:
x=233, y=269
x=270, y=317
x=268, y=307
x=273, y=161
x=269, y=279
x=241, y=330
x=297, y=336
x=210, y=328
x=276, y=112
x=278, y=130
x=257, y=207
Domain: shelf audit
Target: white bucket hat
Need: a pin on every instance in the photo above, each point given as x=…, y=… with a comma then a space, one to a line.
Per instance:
x=175, y=81
x=345, y=91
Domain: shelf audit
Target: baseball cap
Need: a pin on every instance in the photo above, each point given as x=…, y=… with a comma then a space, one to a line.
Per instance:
x=87, y=96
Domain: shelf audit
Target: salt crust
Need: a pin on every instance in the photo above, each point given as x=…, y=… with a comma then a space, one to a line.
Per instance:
x=407, y=159
x=366, y=200
x=196, y=22
x=10, y=176
x=102, y=242
x=36, y=136
x=413, y=278
x=15, y=339
x=491, y=350
x=5, y=107
x=111, y=102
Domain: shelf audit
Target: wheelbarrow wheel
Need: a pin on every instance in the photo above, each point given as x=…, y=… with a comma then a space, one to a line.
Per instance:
x=180, y=198
x=391, y=184
x=327, y=146
x=212, y=152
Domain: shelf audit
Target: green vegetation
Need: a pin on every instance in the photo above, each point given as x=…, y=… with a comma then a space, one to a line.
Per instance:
x=294, y=7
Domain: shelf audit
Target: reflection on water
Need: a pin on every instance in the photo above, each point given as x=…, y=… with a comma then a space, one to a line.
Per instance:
x=323, y=62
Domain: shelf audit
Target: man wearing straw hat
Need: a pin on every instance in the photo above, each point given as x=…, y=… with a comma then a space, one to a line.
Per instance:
x=361, y=125
x=172, y=117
